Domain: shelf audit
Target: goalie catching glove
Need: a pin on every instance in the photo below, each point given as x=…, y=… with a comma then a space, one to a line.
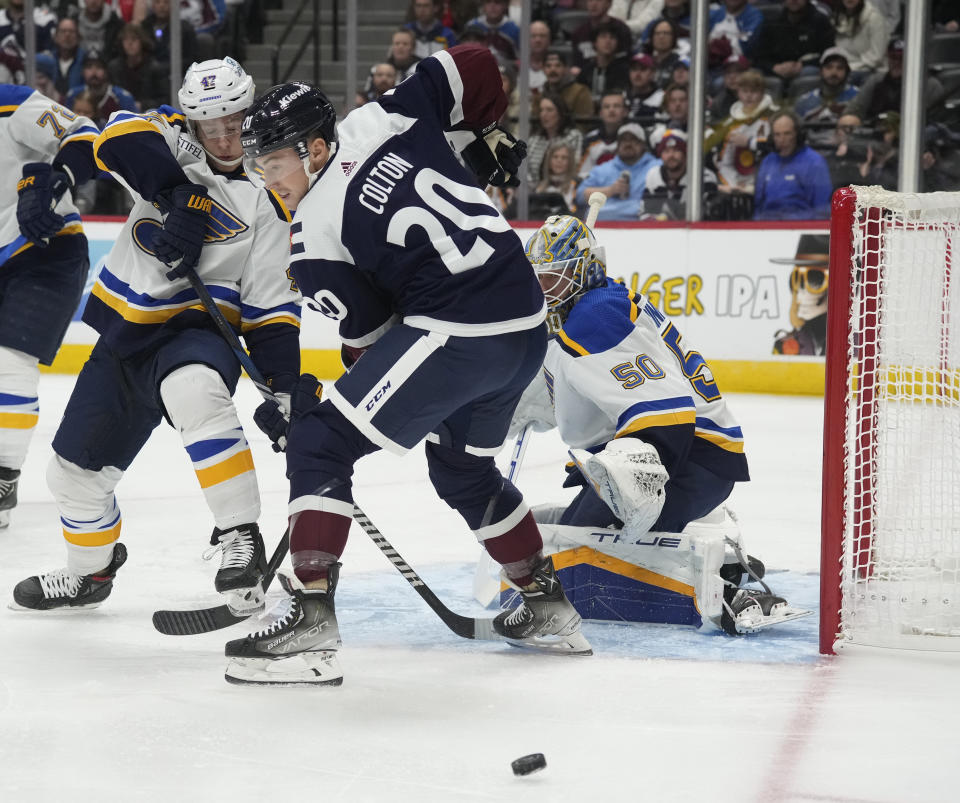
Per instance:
x=274, y=417
x=629, y=477
x=38, y=192
x=179, y=241
x=495, y=157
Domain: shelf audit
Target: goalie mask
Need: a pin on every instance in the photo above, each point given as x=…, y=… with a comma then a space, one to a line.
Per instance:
x=277, y=133
x=567, y=260
x=214, y=96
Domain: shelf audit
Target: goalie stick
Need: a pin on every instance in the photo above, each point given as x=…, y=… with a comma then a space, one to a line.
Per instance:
x=463, y=626
x=206, y=620
x=596, y=202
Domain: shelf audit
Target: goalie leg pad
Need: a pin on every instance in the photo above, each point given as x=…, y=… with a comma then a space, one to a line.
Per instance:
x=629, y=477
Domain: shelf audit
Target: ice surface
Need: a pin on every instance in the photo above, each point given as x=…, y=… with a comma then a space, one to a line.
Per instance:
x=97, y=706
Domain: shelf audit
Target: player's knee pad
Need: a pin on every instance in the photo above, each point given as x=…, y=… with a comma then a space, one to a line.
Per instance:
x=198, y=402
x=19, y=373
x=81, y=494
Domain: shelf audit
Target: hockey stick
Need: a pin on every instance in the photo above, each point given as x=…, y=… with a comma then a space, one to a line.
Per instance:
x=463, y=626
x=206, y=620
x=486, y=587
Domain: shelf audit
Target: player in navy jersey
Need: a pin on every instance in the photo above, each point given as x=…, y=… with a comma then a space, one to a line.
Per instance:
x=442, y=323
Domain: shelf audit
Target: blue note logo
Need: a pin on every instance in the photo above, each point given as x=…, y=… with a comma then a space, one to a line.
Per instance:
x=222, y=225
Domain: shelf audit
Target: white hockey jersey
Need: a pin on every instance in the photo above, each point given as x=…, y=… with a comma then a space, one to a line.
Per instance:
x=619, y=367
x=35, y=129
x=244, y=258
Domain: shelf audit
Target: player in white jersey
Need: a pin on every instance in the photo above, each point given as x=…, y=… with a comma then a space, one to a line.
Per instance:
x=655, y=445
x=438, y=306
x=159, y=354
x=43, y=258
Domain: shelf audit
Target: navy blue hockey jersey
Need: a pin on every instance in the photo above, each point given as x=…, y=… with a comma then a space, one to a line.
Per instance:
x=396, y=228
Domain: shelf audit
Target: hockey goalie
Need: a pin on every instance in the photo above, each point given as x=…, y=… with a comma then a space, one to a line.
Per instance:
x=654, y=448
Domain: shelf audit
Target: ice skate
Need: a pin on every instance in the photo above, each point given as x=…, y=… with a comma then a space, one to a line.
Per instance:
x=737, y=574
x=242, y=566
x=9, y=477
x=751, y=610
x=64, y=590
x=299, y=647
x=545, y=619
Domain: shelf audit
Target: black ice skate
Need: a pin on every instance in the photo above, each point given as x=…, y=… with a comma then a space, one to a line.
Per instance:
x=751, y=610
x=736, y=574
x=64, y=590
x=299, y=647
x=9, y=477
x=545, y=619
x=242, y=566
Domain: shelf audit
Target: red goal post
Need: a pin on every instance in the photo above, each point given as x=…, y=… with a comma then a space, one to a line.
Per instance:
x=890, y=526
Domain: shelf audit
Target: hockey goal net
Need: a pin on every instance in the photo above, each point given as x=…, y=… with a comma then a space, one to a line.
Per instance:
x=890, y=574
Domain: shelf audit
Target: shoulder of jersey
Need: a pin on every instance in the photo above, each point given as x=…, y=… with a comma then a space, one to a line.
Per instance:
x=11, y=96
x=600, y=320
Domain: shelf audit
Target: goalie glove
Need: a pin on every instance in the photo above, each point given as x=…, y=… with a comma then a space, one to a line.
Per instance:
x=38, y=192
x=495, y=157
x=180, y=240
x=534, y=408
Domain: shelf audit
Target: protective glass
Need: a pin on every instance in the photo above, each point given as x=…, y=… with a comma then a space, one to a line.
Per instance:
x=275, y=169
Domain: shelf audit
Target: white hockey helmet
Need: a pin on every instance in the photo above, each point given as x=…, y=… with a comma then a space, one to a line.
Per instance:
x=565, y=255
x=215, y=88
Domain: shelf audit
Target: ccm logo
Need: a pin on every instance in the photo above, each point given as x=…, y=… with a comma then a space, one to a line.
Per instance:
x=378, y=397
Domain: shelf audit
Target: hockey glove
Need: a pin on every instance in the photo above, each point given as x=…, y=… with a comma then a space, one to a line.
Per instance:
x=179, y=242
x=495, y=157
x=38, y=192
x=273, y=418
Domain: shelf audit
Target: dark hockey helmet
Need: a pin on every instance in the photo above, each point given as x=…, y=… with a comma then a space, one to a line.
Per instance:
x=288, y=116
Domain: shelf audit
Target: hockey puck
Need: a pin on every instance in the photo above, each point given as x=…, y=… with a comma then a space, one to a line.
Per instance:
x=527, y=764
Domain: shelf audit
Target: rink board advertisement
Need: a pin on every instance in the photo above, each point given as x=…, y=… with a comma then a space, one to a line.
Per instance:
x=752, y=300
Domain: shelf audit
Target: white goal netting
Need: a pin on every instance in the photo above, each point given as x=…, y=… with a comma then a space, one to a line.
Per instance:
x=900, y=583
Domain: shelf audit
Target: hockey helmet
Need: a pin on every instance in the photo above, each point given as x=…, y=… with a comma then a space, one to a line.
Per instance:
x=211, y=90
x=568, y=262
x=286, y=116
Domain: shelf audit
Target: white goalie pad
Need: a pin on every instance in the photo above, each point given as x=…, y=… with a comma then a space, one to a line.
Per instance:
x=629, y=477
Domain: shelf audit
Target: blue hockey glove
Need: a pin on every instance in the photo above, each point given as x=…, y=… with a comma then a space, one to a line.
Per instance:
x=37, y=194
x=179, y=242
x=495, y=157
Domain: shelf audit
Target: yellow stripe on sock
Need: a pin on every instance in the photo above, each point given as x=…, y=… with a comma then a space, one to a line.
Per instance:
x=227, y=470
x=18, y=420
x=99, y=538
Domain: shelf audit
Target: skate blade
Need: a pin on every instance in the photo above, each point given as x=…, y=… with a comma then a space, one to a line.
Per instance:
x=304, y=669
x=571, y=644
x=779, y=615
x=13, y=606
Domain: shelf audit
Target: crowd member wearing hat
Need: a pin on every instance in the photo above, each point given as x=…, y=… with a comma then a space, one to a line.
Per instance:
x=665, y=192
x=600, y=144
x=819, y=108
x=725, y=91
x=793, y=182
x=643, y=95
x=108, y=97
x=863, y=34
x=560, y=81
x=623, y=178
x=882, y=92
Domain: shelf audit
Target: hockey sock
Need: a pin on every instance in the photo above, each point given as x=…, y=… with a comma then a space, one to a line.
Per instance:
x=317, y=539
x=89, y=512
x=19, y=405
x=518, y=550
x=200, y=407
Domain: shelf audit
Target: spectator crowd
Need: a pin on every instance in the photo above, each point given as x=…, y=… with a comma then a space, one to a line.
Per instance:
x=803, y=96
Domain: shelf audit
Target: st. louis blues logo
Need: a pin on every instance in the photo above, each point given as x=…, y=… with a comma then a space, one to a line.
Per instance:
x=222, y=225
